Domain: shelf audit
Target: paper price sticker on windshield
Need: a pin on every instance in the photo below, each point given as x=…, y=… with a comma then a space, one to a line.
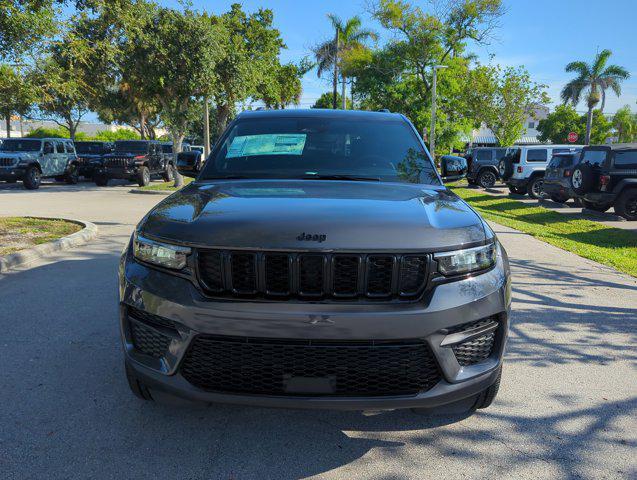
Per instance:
x=274, y=144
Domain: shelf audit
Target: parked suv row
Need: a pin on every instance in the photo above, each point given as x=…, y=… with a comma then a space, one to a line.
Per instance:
x=523, y=168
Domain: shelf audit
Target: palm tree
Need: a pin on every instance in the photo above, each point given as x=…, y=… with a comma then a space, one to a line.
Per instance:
x=592, y=81
x=328, y=54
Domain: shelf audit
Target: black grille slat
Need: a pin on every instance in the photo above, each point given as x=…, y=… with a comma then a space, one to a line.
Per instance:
x=379, y=276
x=277, y=274
x=308, y=276
x=263, y=366
x=211, y=270
x=8, y=162
x=311, y=274
x=478, y=349
x=413, y=274
x=244, y=273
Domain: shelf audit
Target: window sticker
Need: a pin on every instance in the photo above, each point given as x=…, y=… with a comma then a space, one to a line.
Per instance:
x=270, y=144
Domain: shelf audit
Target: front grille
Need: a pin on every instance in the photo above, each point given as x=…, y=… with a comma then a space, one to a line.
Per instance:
x=117, y=162
x=272, y=366
x=148, y=340
x=7, y=162
x=312, y=276
x=478, y=349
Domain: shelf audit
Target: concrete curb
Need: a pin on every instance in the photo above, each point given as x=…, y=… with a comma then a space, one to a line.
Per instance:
x=151, y=192
x=28, y=255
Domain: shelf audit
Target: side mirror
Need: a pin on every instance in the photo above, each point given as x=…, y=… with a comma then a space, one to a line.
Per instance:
x=453, y=168
x=188, y=163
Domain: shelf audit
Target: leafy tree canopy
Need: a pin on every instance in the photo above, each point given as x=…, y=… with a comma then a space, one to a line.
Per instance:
x=325, y=101
x=558, y=124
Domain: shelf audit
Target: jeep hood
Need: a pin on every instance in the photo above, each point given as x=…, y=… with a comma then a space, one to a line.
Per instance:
x=354, y=216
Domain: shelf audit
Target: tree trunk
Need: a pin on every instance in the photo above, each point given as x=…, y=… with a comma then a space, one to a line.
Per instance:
x=142, y=126
x=335, y=83
x=589, y=126
x=72, y=129
x=223, y=113
x=177, y=141
x=344, y=93
x=9, y=126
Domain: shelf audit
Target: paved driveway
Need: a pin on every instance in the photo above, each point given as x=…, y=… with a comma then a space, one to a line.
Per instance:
x=566, y=409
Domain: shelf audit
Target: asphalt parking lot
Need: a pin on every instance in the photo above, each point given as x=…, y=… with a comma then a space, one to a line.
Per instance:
x=566, y=409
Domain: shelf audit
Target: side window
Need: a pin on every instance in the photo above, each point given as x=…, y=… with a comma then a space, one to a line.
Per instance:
x=626, y=159
x=59, y=147
x=537, y=155
x=483, y=155
x=70, y=148
x=48, y=148
x=500, y=153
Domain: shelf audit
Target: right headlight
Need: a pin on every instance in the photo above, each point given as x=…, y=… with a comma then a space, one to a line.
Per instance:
x=459, y=262
x=159, y=253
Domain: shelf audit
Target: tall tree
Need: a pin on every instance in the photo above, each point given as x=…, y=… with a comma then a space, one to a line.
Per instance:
x=592, y=81
x=250, y=47
x=502, y=99
x=329, y=55
x=23, y=24
x=625, y=122
x=17, y=94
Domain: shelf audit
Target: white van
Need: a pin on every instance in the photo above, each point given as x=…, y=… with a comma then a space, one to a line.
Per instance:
x=522, y=168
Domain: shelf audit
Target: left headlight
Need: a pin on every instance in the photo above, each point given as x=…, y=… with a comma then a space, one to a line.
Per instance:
x=460, y=262
x=159, y=253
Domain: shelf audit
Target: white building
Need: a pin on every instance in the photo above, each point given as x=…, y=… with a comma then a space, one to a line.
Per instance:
x=484, y=136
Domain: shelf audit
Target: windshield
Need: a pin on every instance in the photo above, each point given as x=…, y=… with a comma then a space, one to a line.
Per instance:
x=131, y=147
x=307, y=147
x=91, y=148
x=21, y=145
x=562, y=161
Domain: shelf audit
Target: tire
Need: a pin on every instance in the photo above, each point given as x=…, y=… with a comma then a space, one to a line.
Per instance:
x=534, y=187
x=487, y=178
x=169, y=174
x=100, y=180
x=626, y=204
x=72, y=175
x=485, y=399
x=143, y=176
x=583, y=179
x=595, y=206
x=505, y=168
x=517, y=190
x=32, y=178
x=140, y=390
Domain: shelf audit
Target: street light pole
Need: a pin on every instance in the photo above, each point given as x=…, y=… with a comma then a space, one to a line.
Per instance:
x=432, y=130
x=206, y=129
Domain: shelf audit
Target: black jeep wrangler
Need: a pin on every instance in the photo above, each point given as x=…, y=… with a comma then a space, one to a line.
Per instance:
x=90, y=155
x=135, y=160
x=607, y=177
x=483, y=165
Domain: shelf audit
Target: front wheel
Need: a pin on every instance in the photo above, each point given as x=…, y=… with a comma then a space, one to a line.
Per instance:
x=559, y=198
x=626, y=204
x=534, y=188
x=143, y=176
x=100, y=180
x=32, y=178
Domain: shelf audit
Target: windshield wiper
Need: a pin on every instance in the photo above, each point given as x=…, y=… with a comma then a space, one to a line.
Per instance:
x=353, y=178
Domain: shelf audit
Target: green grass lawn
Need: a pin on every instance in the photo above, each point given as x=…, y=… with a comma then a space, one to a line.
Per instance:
x=17, y=233
x=165, y=186
x=611, y=246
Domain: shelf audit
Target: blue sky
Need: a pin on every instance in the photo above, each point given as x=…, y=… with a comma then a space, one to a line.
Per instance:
x=543, y=35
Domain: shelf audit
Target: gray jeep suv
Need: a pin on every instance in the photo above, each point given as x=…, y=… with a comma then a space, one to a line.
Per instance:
x=317, y=261
x=31, y=159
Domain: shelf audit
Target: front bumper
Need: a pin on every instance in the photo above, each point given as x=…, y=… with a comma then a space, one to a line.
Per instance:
x=448, y=305
x=11, y=173
x=125, y=173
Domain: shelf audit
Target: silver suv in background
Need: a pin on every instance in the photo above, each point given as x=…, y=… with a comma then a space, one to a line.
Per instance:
x=31, y=159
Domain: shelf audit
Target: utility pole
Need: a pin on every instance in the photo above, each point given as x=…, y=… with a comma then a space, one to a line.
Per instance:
x=432, y=130
x=335, y=85
x=206, y=128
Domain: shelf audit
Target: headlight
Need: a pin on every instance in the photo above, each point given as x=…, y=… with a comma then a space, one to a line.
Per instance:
x=158, y=253
x=460, y=262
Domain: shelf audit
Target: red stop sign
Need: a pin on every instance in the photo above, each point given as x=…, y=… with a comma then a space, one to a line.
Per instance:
x=572, y=137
